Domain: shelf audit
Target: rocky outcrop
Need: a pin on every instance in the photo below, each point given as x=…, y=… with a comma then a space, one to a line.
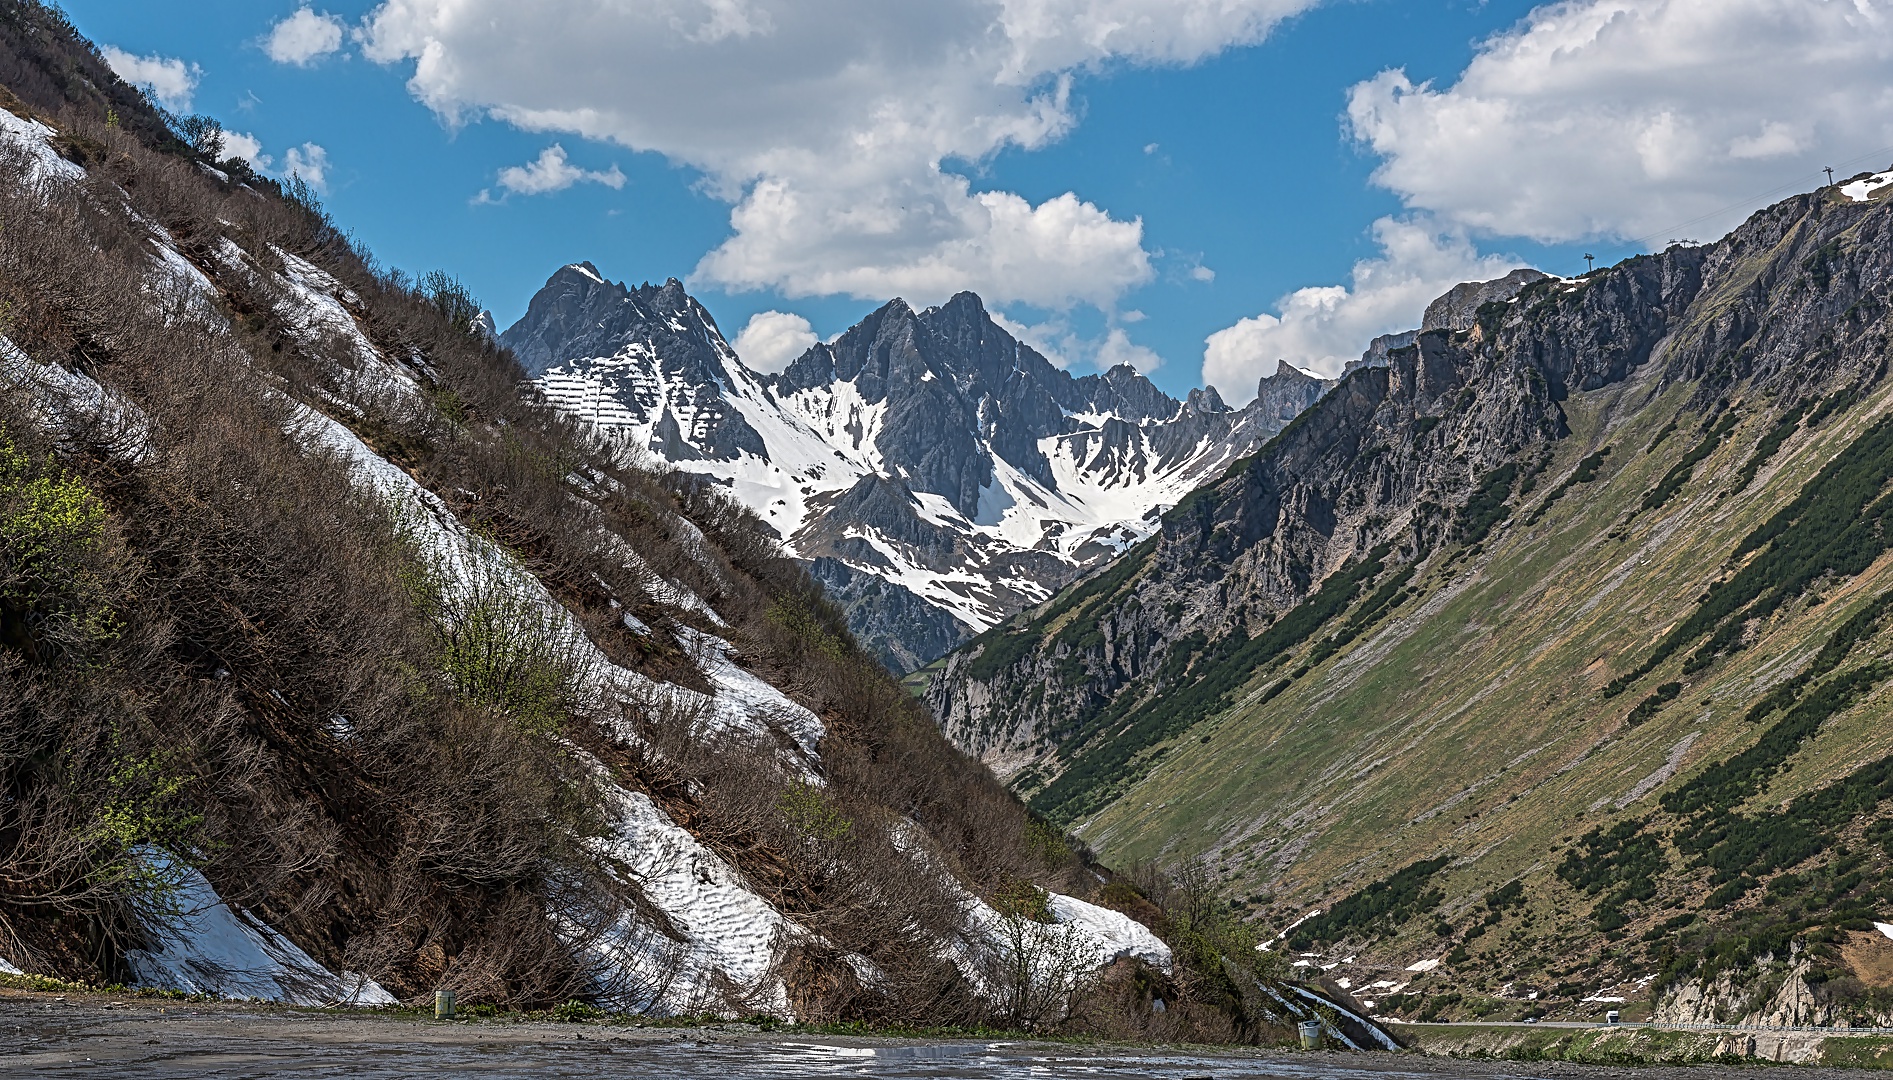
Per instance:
x=1283, y=396
x=1459, y=308
x=889, y=621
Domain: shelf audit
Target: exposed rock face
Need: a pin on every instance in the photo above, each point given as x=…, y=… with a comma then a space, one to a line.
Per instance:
x=1376, y=471
x=929, y=451
x=1460, y=306
x=1284, y=395
x=1379, y=349
x=889, y=621
x=648, y=363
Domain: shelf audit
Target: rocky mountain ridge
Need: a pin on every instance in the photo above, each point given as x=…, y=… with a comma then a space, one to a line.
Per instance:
x=938, y=473
x=1567, y=624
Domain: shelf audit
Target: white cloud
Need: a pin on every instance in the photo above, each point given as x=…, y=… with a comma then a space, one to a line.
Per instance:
x=1322, y=328
x=773, y=339
x=309, y=161
x=172, y=82
x=553, y=171
x=825, y=121
x=1061, y=343
x=304, y=38
x=239, y=144
x=1202, y=273
x=1629, y=118
x=1117, y=348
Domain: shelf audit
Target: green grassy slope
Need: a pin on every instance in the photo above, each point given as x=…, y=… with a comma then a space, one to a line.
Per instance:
x=1475, y=723
x=1549, y=659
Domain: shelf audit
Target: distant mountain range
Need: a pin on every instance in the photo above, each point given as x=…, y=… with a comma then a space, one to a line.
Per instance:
x=938, y=473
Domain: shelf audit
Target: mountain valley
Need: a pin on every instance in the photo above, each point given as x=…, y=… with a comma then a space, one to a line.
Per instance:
x=1561, y=637
x=355, y=650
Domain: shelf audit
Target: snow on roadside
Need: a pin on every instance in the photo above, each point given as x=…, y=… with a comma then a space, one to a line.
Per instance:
x=205, y=946
x=732, y=936
x=1112, y=935
x=7, y=968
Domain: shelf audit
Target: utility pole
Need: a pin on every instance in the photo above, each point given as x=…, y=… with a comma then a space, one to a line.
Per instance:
x=1588, y=260
x=1830, y=175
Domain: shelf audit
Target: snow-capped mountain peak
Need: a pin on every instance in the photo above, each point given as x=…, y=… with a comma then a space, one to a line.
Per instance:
x=938, y=472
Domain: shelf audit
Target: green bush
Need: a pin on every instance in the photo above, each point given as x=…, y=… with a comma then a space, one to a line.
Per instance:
x=53, y=557
x=808, y=811
x=501, y=650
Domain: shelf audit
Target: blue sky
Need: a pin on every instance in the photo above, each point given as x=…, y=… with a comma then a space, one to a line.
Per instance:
x=1299, y=184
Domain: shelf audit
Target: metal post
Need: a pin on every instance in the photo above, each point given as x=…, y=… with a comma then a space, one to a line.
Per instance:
x=1830, y=175
x=443, y=1004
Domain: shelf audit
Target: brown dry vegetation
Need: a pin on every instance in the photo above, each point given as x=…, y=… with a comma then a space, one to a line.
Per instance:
x=265, y=699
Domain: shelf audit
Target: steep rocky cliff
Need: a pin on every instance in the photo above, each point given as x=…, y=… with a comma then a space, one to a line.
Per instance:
x=1566, y=625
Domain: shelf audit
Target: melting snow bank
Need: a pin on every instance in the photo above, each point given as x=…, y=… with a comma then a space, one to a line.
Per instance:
x=471, y=566
x=1111, y=935
x=204, y=946
x=35, y=140
x=702, y=942
x=74, y=408
x=8, y=969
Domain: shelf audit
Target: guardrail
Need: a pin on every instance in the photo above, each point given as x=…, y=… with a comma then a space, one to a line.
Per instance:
x=1757, y=1028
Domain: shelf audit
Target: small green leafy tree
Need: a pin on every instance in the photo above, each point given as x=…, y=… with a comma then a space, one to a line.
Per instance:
x=1039, y=967
x=809, y=812
x=55, y=559
x=499, y=647
x=144, y=815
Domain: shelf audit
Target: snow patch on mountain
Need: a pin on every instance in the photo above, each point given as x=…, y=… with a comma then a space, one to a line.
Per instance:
x=1866, y=188
x=202, y=945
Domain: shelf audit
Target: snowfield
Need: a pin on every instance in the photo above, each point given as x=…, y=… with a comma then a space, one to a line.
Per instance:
x=1871, y=187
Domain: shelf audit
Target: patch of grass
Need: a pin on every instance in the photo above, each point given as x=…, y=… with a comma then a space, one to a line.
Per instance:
x=1857, y=1052
x=1101, y=763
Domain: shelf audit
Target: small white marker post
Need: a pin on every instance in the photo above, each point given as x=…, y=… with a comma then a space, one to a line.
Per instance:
x=443, y=1004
